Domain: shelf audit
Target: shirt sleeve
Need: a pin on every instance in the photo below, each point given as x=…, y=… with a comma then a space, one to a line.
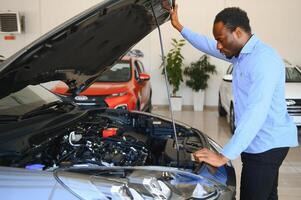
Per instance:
x=264, y=77
x=202, y=43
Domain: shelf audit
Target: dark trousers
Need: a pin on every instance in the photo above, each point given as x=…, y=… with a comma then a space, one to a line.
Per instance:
x=259, y=176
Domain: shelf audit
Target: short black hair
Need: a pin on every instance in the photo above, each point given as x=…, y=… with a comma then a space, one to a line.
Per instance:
x=234, y=17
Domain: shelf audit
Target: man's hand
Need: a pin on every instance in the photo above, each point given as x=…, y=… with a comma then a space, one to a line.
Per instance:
x=174, y=18
x=210, y=157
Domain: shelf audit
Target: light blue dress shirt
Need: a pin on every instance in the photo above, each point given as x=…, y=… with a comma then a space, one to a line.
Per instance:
x=261, y=118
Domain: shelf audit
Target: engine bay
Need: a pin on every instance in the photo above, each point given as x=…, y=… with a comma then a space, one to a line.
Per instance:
x=114, y=138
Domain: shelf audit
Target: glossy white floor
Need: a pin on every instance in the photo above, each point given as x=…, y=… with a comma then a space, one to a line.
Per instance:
x=217, y=128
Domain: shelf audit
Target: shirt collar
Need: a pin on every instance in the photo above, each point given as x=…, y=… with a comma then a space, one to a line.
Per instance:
x=250, y=45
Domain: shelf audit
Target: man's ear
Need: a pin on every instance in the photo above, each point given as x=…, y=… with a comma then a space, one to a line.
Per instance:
x=238, y=32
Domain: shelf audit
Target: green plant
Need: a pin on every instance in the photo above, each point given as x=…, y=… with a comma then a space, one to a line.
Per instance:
x=198, y=73
x=174, y=63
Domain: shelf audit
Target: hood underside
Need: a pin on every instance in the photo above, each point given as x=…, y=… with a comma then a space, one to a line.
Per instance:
x=79, y=50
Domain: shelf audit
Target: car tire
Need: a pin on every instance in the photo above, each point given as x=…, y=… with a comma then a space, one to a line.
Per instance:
x=221, y=111
x=232, y=119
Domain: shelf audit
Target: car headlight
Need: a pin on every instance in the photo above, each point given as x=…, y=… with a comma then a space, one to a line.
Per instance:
x=121, y=106
x=120, y=94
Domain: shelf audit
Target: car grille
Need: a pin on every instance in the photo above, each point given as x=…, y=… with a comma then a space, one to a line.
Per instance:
x=92, y=101
x=294, y=109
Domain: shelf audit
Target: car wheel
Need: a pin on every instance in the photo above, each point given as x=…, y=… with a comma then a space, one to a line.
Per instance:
x=221, y=111
x=232, y=119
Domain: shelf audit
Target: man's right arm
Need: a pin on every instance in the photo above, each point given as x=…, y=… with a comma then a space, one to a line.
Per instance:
x=200, y=42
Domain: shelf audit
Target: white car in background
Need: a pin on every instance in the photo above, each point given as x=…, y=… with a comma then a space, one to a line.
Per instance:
x=292, y=94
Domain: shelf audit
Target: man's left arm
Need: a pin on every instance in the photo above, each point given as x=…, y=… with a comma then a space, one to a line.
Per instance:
x=264, y=79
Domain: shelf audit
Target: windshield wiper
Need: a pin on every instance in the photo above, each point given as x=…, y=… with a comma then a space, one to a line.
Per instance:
x=53, y=107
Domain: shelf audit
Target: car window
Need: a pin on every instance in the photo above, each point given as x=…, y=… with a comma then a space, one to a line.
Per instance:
x=120, y=72
x=292, y=74
x=25, y=100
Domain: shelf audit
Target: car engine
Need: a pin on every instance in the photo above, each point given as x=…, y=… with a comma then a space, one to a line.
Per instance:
x=113, y=138
x=82, y=146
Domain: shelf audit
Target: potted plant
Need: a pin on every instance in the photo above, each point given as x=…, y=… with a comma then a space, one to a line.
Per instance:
x=198, y=74
x=174, y=64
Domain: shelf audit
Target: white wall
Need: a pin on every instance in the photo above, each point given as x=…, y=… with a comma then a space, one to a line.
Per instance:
x=31, y=10
x=40, y=17
x=275, y=22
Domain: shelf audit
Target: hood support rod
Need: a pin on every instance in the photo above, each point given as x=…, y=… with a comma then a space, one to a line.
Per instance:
x=167, y=86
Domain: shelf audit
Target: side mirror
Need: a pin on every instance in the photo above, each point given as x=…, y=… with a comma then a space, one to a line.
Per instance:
x=228, y=78
x=144, y=77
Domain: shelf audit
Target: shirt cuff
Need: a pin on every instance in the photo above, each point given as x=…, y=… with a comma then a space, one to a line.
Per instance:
x=185, y=32
x=228, y=153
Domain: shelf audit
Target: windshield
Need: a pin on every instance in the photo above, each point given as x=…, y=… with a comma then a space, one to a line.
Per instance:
x=120, y=72
x=293, y=75
x=25, y=100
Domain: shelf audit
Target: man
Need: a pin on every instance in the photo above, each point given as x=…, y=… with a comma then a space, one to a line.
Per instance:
x=264, y=131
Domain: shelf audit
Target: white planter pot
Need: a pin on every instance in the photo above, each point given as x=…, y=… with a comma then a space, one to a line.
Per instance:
x=198, y=100
x=176, y=103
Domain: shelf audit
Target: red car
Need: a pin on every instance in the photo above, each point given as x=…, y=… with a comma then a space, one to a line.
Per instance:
x=124, y=86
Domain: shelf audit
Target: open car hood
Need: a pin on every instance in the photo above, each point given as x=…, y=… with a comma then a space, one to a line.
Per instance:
x=79, y=50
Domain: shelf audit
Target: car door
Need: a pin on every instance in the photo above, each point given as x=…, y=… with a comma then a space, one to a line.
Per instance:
x=226, y=89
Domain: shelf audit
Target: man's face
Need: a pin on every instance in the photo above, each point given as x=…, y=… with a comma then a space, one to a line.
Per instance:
x=228, y=42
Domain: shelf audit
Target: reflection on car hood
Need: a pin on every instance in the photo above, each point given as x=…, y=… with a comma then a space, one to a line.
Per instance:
x=79, y=50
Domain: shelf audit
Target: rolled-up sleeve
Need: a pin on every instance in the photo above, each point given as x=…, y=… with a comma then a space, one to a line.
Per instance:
x=264, y=78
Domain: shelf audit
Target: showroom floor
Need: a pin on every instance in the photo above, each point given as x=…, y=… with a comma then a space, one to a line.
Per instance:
x=217, y=128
